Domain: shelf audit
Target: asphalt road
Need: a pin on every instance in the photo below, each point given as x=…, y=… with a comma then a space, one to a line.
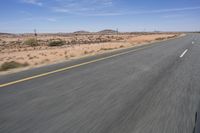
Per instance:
x=154, y=89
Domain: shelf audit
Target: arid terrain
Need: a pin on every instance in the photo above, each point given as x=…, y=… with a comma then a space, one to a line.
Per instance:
x=30, y=51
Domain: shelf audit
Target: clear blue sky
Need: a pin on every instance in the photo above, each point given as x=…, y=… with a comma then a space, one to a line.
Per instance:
x=21, y=16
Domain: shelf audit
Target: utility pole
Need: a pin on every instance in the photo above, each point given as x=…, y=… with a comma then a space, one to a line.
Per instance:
x=35, y=33
x=117, y=31
x=144, y=30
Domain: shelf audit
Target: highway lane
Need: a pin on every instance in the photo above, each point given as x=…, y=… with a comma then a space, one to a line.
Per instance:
x=151, y=90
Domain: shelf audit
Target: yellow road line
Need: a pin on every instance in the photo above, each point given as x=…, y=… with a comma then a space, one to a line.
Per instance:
x=67, y=68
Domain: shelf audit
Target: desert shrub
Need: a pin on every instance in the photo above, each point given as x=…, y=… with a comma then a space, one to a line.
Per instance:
x=31, y=42
x=171, y=37
x=160, y=38
x=104, y=49
x=11, y=65
x=119, y=38
x=73, y=42
x=56, y=43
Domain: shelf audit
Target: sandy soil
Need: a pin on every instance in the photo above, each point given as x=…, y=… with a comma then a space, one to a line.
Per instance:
x=43, y=55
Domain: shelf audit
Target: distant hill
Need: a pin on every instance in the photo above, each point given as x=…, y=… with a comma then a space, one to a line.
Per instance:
x=108, y=31
x=5, y=34
x=82, y=32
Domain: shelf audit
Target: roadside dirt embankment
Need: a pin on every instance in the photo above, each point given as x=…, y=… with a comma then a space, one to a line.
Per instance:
x=52, y=49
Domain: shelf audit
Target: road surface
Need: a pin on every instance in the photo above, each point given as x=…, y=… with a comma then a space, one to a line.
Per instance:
x=151, y=89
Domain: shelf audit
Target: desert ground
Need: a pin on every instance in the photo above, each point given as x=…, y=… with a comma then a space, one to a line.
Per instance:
x=30, y=51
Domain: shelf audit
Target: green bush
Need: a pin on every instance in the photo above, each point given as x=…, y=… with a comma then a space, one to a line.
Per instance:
x=56, y=43
x=31, y=42
x=11, y=65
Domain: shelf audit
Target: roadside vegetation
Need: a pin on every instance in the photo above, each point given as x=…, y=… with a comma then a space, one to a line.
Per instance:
x=160, y=38
x=31, y=42
x=54, y=43
x=11, y=65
